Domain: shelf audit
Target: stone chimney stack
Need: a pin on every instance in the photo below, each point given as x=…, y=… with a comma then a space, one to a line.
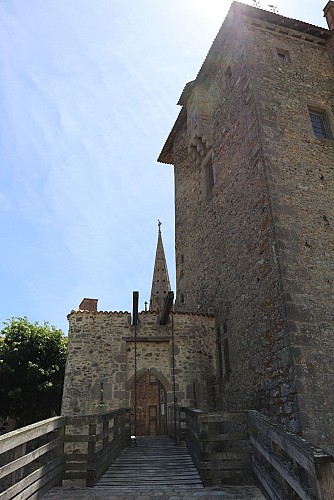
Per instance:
x=329, y=14
x=88, y=305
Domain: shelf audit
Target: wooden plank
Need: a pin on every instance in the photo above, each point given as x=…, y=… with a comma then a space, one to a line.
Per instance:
x=94, y=419
x=43, y=485
x=237, y=417
x=30, y=457
x=49, y=484
x=229, y=436
x=70, y=438
x=325, y=480
x=227, y=455
x=283, y=470
x=79, y=420
x=268, y=483
x=135, y=298
x=20, y=436
x=74, y=475
x=168, y=304
x=225, y=465
x=103, y=434
x=293, y=445
x=75, y=466
x=76, y=457
x=29, y=480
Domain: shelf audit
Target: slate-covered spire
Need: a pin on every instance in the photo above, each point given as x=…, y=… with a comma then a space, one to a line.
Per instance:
x=160, y=281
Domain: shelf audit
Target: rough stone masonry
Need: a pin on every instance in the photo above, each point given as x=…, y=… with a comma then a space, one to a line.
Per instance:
x=253, y=151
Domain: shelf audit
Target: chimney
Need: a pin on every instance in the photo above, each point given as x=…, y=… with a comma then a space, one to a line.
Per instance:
x=89, y=305
x=329, y=14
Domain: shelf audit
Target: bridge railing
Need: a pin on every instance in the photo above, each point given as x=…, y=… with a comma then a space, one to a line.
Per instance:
x=286, y=465
x=31, y=459
x=218, y=443
x=92, y=443
x=78, y=450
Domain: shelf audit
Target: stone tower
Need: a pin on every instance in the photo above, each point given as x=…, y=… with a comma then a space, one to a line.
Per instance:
x=253, y=152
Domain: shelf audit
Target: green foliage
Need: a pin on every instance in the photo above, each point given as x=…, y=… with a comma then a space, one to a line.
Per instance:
x=32, y=365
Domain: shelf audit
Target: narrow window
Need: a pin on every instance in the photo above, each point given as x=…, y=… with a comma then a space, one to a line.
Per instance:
x=227, y=365
x=320, y=124
x=101, y=395
x=228, y=73
x=209, y=176
x=182, y=298
x=283, y=55
x=195, y=395
x=219, y=352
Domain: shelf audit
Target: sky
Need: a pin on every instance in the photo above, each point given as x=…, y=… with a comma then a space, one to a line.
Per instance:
x=88, y=93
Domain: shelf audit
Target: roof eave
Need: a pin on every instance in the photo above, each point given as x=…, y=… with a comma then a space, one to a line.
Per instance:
x=166, y=155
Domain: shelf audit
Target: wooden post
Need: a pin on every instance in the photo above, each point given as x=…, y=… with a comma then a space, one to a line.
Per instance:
x=325, y=480
x=91, y=461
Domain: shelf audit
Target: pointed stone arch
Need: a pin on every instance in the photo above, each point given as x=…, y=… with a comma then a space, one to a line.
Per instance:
x=157, y=374
x=149, y=404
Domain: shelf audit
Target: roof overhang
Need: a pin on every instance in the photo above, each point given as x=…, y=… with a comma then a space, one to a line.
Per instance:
x=237, y=9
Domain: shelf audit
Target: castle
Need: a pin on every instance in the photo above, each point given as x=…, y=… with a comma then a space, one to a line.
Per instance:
x=252, y=325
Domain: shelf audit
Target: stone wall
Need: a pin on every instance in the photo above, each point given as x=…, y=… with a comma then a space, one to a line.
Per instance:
x=301, y=186
x=225, y=252
x=100, y=366
x=257, y=246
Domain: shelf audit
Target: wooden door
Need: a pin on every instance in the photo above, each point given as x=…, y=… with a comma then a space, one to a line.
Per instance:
x=152, y=420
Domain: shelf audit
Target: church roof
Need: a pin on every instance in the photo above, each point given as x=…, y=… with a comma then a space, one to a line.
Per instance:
x=160, y=281
x=236, y=9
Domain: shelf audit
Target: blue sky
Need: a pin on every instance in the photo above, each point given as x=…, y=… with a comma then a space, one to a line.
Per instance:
x=88, y=94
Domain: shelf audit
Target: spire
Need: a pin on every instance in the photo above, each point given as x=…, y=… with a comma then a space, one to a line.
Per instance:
x=160, y=281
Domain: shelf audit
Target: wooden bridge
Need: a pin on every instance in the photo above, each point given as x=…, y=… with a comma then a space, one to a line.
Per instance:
x=95, y=452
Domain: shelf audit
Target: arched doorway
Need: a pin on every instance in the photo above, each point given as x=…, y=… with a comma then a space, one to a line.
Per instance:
x=151, y=406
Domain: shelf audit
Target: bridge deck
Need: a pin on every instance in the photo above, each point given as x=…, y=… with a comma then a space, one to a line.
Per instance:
x=154, y=462
x=155, y=468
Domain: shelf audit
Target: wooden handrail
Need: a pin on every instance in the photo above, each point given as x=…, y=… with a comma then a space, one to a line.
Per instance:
x=22, y=436
x=34, y=459
x=275, y=449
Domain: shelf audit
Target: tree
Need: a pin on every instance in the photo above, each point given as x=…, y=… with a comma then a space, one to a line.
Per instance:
x=32, y=365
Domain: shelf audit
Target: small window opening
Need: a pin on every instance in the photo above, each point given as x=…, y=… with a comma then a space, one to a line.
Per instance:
x=227, y=365
x=209, y=176
x=219, y=352
x=228, y=72
x=283, y=55
x=101, y=395
x=182, y=298
x=195, y=395
x=182, y=258
x=320, y=124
